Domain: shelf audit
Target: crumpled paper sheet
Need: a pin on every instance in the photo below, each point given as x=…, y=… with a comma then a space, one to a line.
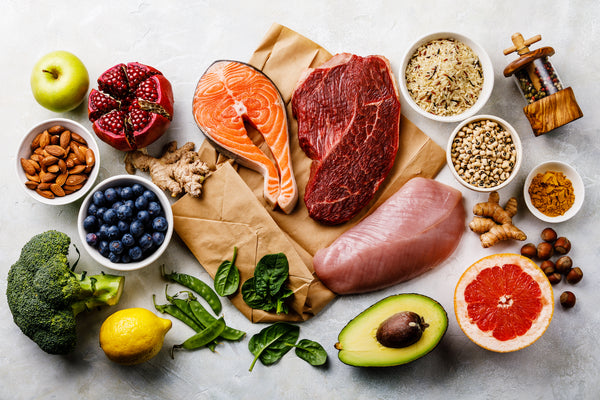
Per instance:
x=232, y=211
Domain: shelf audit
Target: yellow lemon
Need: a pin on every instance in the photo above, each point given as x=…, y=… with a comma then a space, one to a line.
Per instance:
x=133, y=335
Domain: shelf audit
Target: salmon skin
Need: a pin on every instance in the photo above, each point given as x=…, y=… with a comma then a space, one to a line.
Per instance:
x=231, y=93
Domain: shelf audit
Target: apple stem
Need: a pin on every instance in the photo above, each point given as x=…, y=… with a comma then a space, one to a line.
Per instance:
x=54, y=74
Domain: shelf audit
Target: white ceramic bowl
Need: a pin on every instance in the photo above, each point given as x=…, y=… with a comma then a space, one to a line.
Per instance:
x=486, y=65
x=126, y=180
x=571, y=174
x=24, y=151
x=515, y=138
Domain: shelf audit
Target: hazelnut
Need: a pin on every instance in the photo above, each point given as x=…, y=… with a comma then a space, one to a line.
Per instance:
x=529, y=250
x=562, y=245
x=554, y=278
x=574, y=275
x=548, y=267
x=549, y=235
x=544, y=251
x=563, y=265
x=567, y=299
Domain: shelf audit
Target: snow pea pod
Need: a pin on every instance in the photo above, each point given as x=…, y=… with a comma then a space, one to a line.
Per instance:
x=204, y=337
x=206, y=318
x=198, y=286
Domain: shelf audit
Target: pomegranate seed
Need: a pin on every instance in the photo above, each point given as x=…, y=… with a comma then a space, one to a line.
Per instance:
x=139, y=119
x=113, y=122
x=100, y=103
x=138, y=73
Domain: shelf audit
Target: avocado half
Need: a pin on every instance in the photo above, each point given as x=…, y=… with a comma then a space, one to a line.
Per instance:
x=358, y=344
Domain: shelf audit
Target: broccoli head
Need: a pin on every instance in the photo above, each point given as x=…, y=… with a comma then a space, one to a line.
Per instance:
x=45, y=295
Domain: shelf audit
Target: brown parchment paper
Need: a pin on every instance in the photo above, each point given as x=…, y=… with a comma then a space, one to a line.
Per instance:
x=232, y=211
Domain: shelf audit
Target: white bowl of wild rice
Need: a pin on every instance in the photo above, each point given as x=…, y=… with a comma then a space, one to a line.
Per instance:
x=446, y=77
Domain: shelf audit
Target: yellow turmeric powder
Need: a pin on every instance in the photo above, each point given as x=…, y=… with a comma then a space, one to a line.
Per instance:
x=551, y=193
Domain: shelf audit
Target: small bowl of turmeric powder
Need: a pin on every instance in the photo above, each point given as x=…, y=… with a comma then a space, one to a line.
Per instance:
x=553, y=191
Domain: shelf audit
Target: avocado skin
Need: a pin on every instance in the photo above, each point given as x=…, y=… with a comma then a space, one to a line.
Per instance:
x=357, y=342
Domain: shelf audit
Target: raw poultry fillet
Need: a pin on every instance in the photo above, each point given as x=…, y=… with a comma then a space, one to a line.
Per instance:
x=231, y=93
x=348, y=115
x=414, y=230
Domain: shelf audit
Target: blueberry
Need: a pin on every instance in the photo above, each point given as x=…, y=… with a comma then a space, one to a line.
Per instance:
x=92, y=209
x=103, y=232
x=125, y=258
x=113, y=232
x=90, y=223
x=141, y=203
x=110, y=216
x=124, y=213
x=127, y=193
x=149, y=195
x=114, y=257
x=145, y=241
x=129, y=203
x=91, y=239
x=111, y=195
x=143, y=216
x=128, y=240
x=116, y=205
x=136, y=228
x=100, y=213
x=138, y=189
x=158, y=238
x=135, y=253
x=159, y=224
x=103, y=248
x=98, y=198
x=116, y=247
x=154, y=208
x=123, y=226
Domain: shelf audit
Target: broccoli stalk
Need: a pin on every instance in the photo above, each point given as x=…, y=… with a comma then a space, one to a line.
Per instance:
x=44, y=294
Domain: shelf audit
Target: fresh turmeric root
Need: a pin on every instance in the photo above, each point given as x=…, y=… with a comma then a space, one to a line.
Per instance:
x=177, y=170
x=494, y=223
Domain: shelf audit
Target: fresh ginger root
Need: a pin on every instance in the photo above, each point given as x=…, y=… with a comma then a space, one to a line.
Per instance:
x=494, y=223
x=177, y=170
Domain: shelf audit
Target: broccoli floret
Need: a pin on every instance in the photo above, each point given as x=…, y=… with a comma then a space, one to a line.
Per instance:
x=45, y=295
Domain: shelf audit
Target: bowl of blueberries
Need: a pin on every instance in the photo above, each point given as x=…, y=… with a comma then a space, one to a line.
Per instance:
x=125, y=222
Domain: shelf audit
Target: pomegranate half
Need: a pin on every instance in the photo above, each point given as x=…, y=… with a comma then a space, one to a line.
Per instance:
x=132, y=107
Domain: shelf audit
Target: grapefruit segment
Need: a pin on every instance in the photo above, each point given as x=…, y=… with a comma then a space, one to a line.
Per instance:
x=503, y=302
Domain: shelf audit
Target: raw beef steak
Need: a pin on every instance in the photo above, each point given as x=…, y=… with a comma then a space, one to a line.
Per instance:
x=348, y=115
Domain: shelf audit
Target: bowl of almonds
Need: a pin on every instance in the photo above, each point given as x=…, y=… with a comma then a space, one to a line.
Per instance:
x=57, y=161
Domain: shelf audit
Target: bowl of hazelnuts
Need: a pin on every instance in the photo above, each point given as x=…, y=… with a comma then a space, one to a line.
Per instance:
x=552, y=252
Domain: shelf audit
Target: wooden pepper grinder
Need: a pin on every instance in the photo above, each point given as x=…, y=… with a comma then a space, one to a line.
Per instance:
x=549, y=104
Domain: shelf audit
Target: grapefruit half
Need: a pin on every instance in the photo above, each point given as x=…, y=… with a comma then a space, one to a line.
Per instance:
x=503, y=302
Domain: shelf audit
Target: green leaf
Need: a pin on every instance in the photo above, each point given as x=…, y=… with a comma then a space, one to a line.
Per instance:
x=311, y=352
x=253, y=299
x=227, y=278
x=271, y=273
x=273, y=342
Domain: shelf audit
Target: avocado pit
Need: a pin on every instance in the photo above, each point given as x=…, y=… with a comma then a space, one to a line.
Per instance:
x=401, y=330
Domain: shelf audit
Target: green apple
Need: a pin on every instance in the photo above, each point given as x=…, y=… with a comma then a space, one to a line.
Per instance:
x=59, y=81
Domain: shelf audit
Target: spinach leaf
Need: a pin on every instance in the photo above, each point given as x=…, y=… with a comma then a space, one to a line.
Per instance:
x=311, y=352
x=271, y=273
x=273, y=342
x=227, y=278
x=265, y=290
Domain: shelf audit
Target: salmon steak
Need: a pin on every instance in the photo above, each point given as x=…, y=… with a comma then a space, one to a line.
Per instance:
x=232, y=93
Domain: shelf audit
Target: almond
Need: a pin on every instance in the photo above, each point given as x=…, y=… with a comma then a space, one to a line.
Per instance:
x=77, y=169
x=65, y=139
x=34, y=178
x=44, y=186
x=55, y=150
x=44, y=139
x=57, y=190
x=70, y=163
x=76, y=137
x=90, y=159
x=31, y=185
x=28, y=166
x=56, y=129
x=71, y=188
x=73, y=180
x=36, y=157
x=54, y=140
x=47, y=161
x=62, y=166
x=47, y=176
x=35, y=143
x=45, y=193
x=53, y=169
x=62, y=178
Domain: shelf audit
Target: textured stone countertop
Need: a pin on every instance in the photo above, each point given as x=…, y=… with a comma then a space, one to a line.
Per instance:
x=181, y=38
